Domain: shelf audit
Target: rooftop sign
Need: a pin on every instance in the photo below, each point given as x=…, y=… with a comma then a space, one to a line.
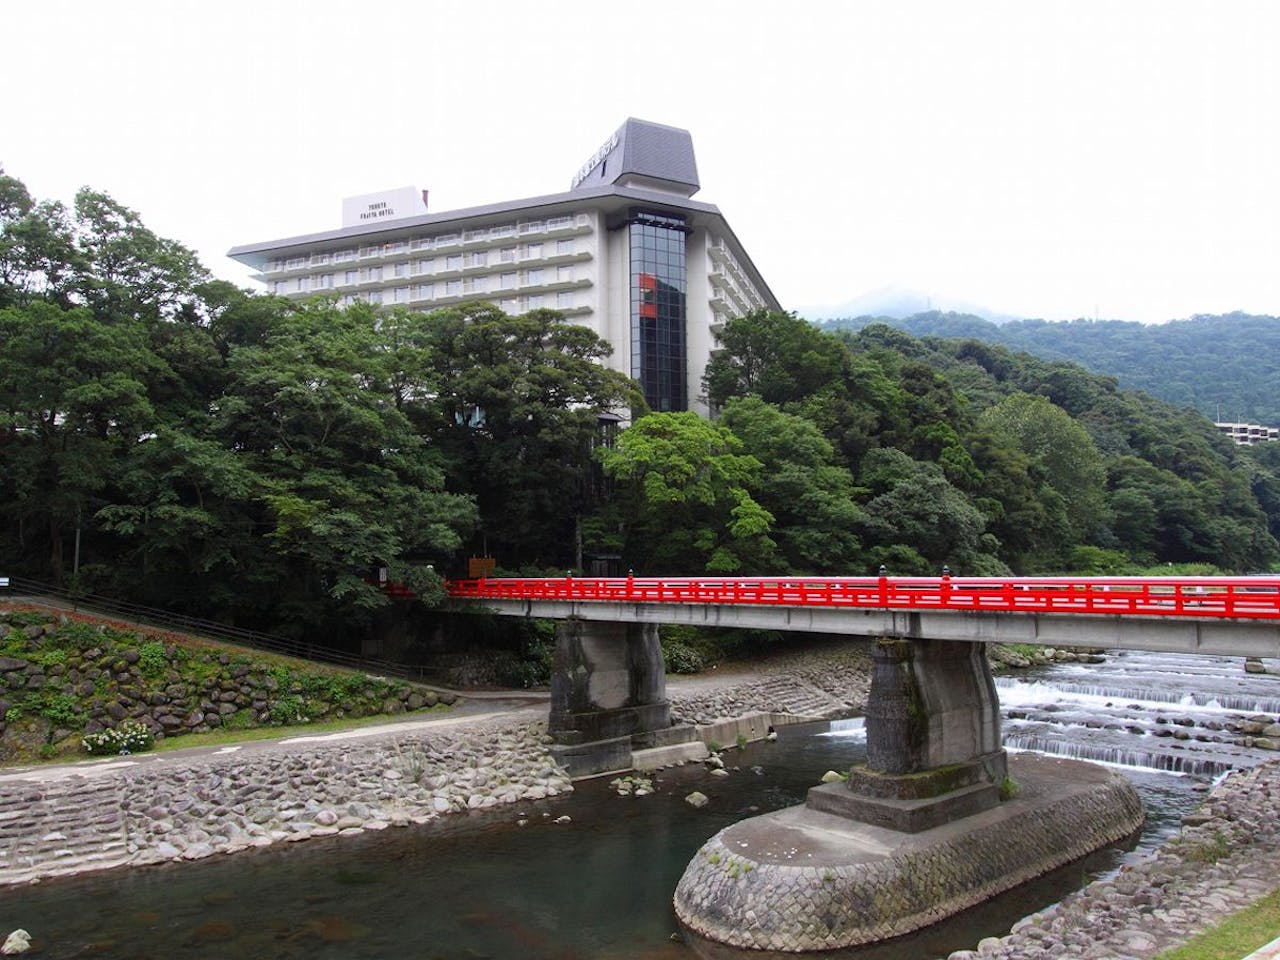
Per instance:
x=382, y=206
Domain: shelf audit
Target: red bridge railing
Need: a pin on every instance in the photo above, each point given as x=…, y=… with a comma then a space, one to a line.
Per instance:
x=1220, y=597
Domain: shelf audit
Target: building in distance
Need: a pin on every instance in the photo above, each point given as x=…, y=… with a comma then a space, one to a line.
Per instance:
x=626, y=251
x=1247, y=434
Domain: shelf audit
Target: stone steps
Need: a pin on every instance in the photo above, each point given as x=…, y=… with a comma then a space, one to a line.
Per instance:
x=786, y=695
x=58, y=828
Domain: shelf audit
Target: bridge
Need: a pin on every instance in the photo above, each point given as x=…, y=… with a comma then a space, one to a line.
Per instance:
x=1220, y=616
x=608, y=686
x=935, y=758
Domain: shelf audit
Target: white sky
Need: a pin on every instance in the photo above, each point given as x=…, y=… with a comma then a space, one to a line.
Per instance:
x=1054, y=159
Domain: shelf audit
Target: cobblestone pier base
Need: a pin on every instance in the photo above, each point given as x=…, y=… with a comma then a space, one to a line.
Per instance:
x=798, y=879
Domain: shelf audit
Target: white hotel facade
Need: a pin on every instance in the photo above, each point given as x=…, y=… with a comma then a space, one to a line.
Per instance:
x=625, y=251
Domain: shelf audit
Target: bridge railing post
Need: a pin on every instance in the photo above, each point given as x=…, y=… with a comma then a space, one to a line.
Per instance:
x=884, y=585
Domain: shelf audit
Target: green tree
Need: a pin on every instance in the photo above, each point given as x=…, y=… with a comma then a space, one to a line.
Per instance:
x=775, y=356
x=686, y=488
x=516, y=405
x=917, y=519
x=1062, y=450
x=345, y=484
x=72, y=401
x=809, y=495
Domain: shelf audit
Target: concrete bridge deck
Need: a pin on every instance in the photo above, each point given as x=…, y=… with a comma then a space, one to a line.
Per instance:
x=1219, y=616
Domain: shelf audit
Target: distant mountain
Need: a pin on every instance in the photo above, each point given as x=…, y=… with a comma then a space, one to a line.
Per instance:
x=899, y=303
x=1226, y=367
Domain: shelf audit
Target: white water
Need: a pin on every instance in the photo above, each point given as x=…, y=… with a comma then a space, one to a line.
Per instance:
x=1140, y=711
x=1163, y=712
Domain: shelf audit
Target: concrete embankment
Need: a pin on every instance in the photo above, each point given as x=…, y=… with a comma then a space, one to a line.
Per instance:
x=117, y=813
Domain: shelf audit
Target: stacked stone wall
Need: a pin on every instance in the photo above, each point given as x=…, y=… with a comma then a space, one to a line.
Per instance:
x=119, y=813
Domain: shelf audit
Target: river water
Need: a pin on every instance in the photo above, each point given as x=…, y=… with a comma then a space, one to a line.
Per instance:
x=599, y=887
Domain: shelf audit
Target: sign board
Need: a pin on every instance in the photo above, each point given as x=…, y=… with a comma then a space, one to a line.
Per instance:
x=382, y=206
x=594, y=161
x=478, y=567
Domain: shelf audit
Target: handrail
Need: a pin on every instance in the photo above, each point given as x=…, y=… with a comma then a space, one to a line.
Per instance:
x=22, y=588
x=1254, y=598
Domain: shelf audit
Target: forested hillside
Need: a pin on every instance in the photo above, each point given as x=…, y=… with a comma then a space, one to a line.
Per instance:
x=177, y=442
x=1226, y=367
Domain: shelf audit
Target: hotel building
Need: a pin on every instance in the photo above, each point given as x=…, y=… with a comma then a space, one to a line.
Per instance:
x=625, y=251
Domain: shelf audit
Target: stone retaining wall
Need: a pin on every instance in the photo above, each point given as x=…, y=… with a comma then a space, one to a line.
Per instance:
x=799, y=880
x=116, y=815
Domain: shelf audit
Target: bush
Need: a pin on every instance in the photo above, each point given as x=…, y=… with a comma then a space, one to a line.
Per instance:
x=130, y=737
x=288, y=709
x=152, y=660
x=61, y=709
x=682, y=659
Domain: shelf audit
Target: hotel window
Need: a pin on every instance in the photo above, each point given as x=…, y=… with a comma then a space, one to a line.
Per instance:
x=281, y=287
x=400, y=269
x=453, y=288
x=351, y=276
x=507, y=254
x=375, y=296
x=564, y=274
x=564, y=247
x=325, y=281
x=536, y=301
x=507, y=281
x=425, y=266
x=340, y=255
x=402, y=294
x=533, y=251
x=533, y=277
x=475, y=285
x=480, y=259
x=372, y=274
x=565, y=300
x=398, y=247
x=454, y=262
x=658, y=307
x=304, y=284
x=510, y=306
x=424, y=291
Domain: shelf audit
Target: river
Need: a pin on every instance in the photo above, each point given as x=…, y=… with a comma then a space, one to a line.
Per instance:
x=599, y=887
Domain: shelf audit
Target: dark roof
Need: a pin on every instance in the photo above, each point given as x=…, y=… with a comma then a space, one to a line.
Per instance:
x=652, y=151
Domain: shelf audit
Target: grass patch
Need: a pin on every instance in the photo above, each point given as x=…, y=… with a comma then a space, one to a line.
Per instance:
x=1237, y=936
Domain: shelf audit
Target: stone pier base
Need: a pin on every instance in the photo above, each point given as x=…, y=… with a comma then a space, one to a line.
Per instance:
x=802, y=879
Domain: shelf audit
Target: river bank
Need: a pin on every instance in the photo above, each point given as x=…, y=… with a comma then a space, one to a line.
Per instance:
x=173, y=807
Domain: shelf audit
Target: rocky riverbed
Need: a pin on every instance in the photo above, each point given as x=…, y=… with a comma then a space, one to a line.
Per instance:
x=1223, y=860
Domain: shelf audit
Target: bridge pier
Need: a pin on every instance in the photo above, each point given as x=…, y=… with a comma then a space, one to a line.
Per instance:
x=608, y=694
x=933, y=739
x=919, y=832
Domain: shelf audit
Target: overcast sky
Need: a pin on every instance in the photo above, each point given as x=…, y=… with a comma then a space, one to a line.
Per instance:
x=1048, y=159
